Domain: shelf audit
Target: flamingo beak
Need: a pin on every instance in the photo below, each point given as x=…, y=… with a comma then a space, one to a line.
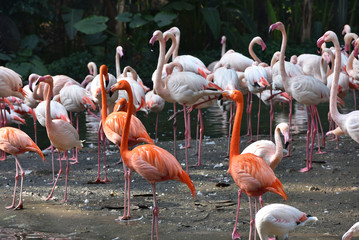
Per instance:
x=264, y=82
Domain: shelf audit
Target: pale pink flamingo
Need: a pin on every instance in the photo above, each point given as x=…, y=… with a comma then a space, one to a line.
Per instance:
x=62, y=135
x=346, y=29
x=352, y=232
x=235, y=60
x=186, y=88
x=14, y=118
x=353, y=72
x=347, y=122
x=251, y=173
x=113, y=125
x=86, y=83
x=279, y=219
x=75, y=99
x=14, y=141
x=304, y=89
x=210, y=66
x=150, y=161
x=188, y=62
x=155, y=103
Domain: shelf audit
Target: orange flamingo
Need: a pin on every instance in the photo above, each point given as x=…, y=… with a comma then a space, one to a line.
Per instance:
x=63, y=136
x=113, y=126
x=14, y=141
x=251, y=173
x=150, y=161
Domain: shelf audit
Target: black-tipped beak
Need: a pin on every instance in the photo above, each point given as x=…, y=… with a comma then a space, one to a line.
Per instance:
x=7, y=108
x=110, y=94
x=107, y=83
x=319, y=50
x=220, y=97
x=330, y=65
x=286, y=144
x=151, y=47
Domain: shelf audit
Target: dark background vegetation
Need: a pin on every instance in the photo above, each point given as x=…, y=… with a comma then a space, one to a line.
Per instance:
x=62, y=36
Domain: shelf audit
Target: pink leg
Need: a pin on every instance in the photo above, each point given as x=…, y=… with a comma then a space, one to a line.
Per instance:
x=155, y=213
x=250, y=120
x=156, y=127
x=271, y=117
x=76, y=150
x=261, y=200
x=15, y=186
x=174, y=131
x=35, y=129
x=259, y=115
x=104, y=156
x=98, y=179
x=248, y=114
x=235, y=234
x=230, y=128
x=251, y=224
x=20, y=205
x=200, y=136
x=306, y=169
x=129, y=193
x=186, y=135
x=125, y=213
x=58, y=176
x=290, y=126
x=317, y=121
x=67, y=174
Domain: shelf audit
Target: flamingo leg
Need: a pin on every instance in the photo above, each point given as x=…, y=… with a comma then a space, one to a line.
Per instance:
x=251, y=224
x=156, y=127
x=271, y=117
x=98, y=179
x=355, y=100
x=129, y=193
x=155, y=213
x=248, y=114
x=250, y=120
x=290, y=125
x=76, y=150
x=230, y=128
x=259, y=115
x=200, y=136
x=104, y=155
x=174, y=131
x=261, y=200
x=235, y=234
x=67, y=174
x=58, y=176
x=317, y=118
x=22, y=174
x=186, y=135
x=15, y=186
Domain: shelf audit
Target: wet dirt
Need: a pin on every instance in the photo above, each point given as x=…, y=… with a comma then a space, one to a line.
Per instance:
x=329, y=191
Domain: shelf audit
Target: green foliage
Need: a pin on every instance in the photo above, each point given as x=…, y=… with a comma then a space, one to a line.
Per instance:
x=70, y=17
x=74, y=66
x=92, y=25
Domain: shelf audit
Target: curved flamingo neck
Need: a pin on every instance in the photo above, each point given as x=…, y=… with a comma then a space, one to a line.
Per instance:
x=126, y=131
x=334, y=90
x=323, y=71
x=236, y=132
x=157, y=85
x=118, y=67
x=278, y=149
x=172, y=48
x=104, y=99
x=281, y=59
x=48, y=91
x=350, y=62
x=251, y=52
x=223, y=47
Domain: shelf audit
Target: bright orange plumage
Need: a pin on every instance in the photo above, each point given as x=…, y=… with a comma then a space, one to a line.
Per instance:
x=254, y=176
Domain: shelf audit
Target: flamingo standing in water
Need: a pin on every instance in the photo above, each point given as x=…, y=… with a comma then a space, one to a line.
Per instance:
x=279, y=219
x=306, y=90
x=113, y=126
x=63, y=136
x=150, y=161
x=15, y=142
x=348, y=123
x=251, y=173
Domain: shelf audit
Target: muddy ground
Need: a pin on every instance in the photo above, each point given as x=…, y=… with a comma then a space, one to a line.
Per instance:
x=329, y=191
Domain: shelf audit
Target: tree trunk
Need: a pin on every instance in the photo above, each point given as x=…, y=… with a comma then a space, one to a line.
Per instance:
x=307, y=20
x=120, y=26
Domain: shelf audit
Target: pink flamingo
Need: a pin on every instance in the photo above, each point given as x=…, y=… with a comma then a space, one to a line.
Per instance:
x=352, y=232
x=304, y=89
x=14, y=141
x=186, y=88
x=251, y=173
x=347, y=122
x=210, y=67
x=113, y=125
x=63, y=136
x=279, y=219
x=155, y=104
x=150, y=161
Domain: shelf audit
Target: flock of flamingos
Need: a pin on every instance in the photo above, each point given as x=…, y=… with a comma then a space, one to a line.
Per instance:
x=309, y=79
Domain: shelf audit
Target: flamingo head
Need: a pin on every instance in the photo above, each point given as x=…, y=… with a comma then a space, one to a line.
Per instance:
x=122, y=85
x=329, y=36
x=234, y=95
x=284, y=129
x=46, y=79
x=119, y=50
x=278, y=25
x=264, y=46
x=104, y=73
x=32, y=78
x=346, y=29
x=223, y=40
x=157, y=35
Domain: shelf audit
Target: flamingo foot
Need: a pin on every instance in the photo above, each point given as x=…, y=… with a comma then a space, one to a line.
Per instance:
x=123, y=218
x=99, y=180
x=19, y=206
x=306, y=169
x=288, y=155
x=10, y=207
x=49, y=198
x=74, y=162
x=321, y=152
x=236, y=235
x=64, y=200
